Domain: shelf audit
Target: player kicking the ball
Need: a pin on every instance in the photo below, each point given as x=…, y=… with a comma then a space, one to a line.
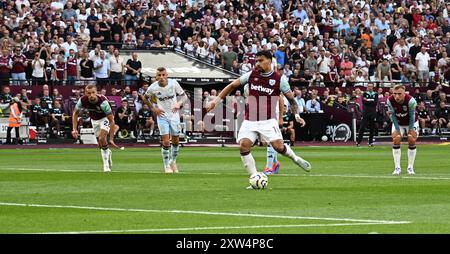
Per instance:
x=102, y=119
x=164, y=92
x=404, y=118
x=264, y=88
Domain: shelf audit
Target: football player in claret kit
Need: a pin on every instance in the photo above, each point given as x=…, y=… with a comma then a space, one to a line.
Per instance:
x=404, y=118
x=102, y=119
x=272, y=163
x=265, y=86
x=164, y=92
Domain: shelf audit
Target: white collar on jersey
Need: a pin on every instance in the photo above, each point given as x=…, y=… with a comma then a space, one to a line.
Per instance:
x=267, y=74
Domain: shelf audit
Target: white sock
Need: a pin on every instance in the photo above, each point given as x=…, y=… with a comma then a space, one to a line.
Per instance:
x=396, y=153
x=165, y=155
x=275, y=156
x=249, y=163
x=271, y=155
x=289, y=153
x=105, y=156
x=175, y=149
x=411, y=156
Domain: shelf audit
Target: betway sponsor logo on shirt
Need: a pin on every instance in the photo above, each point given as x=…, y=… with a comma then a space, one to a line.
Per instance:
x=166, y=98
x=261, y=89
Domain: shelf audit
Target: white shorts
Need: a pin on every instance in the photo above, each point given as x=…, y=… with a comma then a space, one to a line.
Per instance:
x=168, y=126
x=268, y=129
x=101, y=124
x=404, y=129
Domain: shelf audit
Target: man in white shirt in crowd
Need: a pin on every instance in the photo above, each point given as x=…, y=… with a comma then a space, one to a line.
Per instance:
x=117, y=68
x=69, y=45
x=101, y=69
x=423, y=65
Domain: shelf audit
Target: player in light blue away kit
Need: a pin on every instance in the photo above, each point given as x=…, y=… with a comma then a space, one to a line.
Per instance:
x=164, y=93
x=404, y=118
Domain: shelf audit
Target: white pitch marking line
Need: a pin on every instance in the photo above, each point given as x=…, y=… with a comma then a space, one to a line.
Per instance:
x=223, y=173
x=203, y=213
x=213, y=228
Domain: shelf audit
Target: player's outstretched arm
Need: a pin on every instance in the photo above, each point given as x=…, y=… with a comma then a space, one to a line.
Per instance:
x=225, y=92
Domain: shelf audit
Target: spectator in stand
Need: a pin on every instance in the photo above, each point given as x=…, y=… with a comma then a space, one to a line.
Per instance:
x=164, y=24
x=60, y=70
x=126, y=93
x=97, y=37
x=441, y=118
x=442, y=97
x=125, y=119
x=300, y=101
x=311, y=62
x=39, y=76
x=114, y=97
x=117, y=68
x=347, y=67
x=72, y=73
x=57, y=96
x=228, y=57
x=313, y=105
x=246, y=66
x=19, y=63
x=57, y=118
x=384, y=73
x=133, y=66
x=423, y=65
x=34, y=111
x=69, y=45
x=5, y=67
x=424, y=117
x=145, y=120
x=86, y=69
x=317, y=80
x=101, y=69
x=396, y=70
x=23, y=97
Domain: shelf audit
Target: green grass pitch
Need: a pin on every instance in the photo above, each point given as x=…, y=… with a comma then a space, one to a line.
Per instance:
x=349, y=190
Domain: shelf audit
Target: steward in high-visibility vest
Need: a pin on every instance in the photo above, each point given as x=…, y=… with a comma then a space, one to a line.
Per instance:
x=14, y=120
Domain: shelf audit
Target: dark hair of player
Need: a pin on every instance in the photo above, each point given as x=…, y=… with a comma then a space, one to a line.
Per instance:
x=265, y=53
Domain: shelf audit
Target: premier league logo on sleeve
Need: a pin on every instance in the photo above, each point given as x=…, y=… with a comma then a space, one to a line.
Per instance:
x=272, y=82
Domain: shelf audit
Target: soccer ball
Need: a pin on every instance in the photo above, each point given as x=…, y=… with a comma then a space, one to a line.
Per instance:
x=259, y=180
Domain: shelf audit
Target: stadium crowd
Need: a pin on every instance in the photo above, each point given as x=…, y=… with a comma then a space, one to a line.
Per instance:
x=328, y=44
